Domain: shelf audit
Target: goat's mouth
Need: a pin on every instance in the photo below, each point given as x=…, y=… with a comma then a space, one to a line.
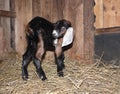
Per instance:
x=57, y=35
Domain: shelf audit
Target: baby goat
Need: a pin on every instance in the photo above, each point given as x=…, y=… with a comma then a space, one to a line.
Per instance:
x=41, y=36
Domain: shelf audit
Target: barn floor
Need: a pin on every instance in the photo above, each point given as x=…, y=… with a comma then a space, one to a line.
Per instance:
x=98, y=78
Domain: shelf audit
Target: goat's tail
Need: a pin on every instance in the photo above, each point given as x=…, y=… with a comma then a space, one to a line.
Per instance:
x=30, y=40
x=29, y=34
x=29, y=31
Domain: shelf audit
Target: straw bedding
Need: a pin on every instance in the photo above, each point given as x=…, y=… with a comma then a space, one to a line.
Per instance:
x=80, y=78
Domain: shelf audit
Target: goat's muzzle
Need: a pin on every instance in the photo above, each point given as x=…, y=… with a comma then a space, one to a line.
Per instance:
x=57, y=35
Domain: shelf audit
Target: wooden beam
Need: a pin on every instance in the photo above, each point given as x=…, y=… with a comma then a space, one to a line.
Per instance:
x=7, y=13
x=1, y=41
x=107, y=30
x=88, y=28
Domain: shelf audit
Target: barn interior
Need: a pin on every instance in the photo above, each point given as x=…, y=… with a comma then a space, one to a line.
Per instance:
x=92, y=63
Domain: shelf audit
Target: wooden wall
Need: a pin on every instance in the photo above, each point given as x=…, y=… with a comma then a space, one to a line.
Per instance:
x=107, y=13
x=54, y=10
x=5, y=29
x=79, y=12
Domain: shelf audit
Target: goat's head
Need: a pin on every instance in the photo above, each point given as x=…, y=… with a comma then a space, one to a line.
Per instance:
x=63, y=31
x=60, y=28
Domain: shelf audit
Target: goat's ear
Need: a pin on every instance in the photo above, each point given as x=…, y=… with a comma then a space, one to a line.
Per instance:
x=28, y=30
x=54, y=24
x=63, y=28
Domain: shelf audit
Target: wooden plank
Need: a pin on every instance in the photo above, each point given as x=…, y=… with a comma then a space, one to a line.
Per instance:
x=5, y=24
x=60, y=8
x=88, y=22
x=36, y=7
x=54, y=14
x=107, y=13
x=107, y=30
x=73, y=11
x=12, y=23
x=43, y=8
x=1, y=4
x=81, y=15
x=23, y=10
x=1, y=41
x=7, y=13
x=111, y=13
x=98, y=10
x=7, y=33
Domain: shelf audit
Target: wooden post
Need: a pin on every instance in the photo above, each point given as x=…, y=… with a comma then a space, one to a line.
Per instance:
x=1, y=41
x=81, y=15
x=23, y=10
x=88, y=21
x=12, y=23
x=73, y=11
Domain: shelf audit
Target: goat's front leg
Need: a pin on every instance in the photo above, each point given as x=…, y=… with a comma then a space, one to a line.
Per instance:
x=59, y=59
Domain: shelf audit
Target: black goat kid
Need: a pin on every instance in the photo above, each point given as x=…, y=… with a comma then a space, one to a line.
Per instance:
x=43, y=35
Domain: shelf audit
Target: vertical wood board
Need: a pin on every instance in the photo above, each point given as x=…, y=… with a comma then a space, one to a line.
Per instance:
x=89, y=30
x=111, y=13
x=1, y=41
x=107, y=13
x=23, y=16
x=98, y=9
x=5, y=24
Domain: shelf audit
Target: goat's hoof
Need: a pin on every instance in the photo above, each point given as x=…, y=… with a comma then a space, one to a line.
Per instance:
x=25, y=78
x=63, y=66
x=43, y=78
x=60, y=74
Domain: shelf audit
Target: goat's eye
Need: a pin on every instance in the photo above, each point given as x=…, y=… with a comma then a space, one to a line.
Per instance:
x=63, y=28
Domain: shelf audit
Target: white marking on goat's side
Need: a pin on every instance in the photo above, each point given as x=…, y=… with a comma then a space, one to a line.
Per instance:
x=55, y=42
x=68, y=37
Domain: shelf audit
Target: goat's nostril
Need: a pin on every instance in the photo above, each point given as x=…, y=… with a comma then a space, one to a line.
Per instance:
x=53, y=34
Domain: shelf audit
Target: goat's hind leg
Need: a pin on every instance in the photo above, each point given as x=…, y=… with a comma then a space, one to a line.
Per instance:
x=38, y=58
x=39, y=69
x=25, y=62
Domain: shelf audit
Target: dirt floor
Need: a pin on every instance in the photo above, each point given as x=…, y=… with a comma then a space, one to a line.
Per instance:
x=80, y=78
